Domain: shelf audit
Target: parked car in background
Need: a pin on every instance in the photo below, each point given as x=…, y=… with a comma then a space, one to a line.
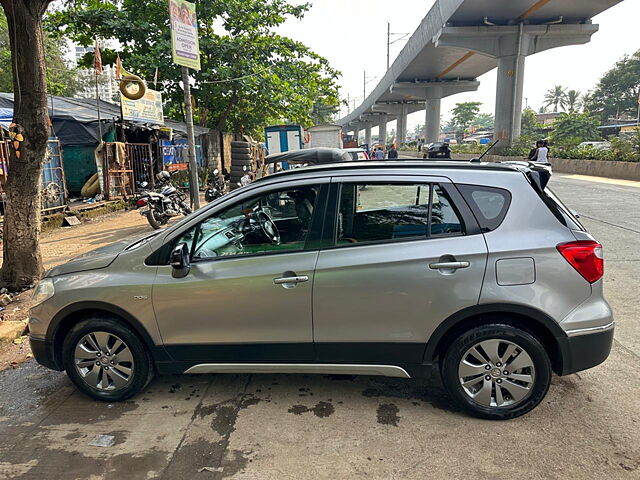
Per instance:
x=596, y=145
x=357, y=153
x=476, y=271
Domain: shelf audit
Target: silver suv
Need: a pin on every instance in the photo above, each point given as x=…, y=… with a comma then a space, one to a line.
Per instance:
x=360, y=268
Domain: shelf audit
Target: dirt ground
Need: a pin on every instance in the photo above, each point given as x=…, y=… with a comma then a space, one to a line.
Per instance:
x=59, y=246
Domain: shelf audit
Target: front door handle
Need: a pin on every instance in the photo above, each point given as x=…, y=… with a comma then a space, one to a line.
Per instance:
x=291, y=280
x=448, y=265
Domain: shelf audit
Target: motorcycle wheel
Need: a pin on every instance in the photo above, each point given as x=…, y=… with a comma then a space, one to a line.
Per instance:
x=155, y=221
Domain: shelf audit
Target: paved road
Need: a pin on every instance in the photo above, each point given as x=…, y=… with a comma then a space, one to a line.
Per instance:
x=294, y=426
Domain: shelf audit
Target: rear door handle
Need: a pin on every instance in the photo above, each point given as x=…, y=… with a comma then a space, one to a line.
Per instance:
x=295, y=279
x=448, y=265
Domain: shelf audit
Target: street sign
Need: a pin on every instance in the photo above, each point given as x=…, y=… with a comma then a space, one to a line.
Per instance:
x=184, y=34
x=147, y=110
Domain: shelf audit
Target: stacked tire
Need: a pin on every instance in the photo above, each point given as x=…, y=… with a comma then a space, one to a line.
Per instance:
x=240, y=159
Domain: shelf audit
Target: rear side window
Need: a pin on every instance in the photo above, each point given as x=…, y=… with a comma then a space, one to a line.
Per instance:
x=370, y=213
x=560, y=209
x=488, y=204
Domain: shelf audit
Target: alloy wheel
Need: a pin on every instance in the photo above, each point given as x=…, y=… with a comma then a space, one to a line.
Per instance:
x=104, y=361
x=496, y=373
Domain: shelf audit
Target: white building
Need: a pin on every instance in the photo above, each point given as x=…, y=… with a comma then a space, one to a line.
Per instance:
x=107, y=84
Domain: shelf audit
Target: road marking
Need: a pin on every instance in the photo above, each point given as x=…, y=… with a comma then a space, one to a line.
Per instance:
x=612, y=181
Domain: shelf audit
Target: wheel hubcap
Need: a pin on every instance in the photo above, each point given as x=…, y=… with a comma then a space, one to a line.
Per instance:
x=496, y=373
x=104, y=361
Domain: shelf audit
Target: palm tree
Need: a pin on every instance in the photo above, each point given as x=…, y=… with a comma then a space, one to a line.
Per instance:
x=573, y=100
x=557, y=97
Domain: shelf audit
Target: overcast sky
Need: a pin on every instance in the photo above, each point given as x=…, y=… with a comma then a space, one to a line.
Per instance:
x=352, y=34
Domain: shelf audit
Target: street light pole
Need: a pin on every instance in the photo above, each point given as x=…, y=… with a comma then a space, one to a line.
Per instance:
x=388, y=42
x=191, y=141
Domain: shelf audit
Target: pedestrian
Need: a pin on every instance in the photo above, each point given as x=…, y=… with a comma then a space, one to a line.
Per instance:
x=543, y=152
x=393, y=153
x=533, y=153
x=379, y=154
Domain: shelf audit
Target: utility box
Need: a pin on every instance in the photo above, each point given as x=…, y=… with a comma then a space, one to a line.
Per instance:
x=328, y=136
x=283, y=138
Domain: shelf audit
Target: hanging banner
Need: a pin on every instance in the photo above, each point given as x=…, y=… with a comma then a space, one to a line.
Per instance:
x=184, y=34
x=147, y=110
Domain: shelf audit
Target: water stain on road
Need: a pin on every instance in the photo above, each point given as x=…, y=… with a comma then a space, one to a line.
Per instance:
x=321, y=409
x=388, y=414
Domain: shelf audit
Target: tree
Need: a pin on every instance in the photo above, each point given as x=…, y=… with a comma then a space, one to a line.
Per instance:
x=573, y=101
x=529, y=125
x=618, y=90
x=251, y=76
x=570, y=129
x=61, y=79
x=463, y=115
x=22, y=262
x=483, y=121
x=557, y=96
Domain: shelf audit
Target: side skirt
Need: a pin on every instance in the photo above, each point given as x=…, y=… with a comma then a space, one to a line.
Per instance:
x=311, y=368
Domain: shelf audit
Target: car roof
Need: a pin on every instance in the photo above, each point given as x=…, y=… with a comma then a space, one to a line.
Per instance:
x=407, y=163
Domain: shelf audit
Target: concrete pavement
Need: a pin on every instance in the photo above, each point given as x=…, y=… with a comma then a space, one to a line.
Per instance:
x=296, y=426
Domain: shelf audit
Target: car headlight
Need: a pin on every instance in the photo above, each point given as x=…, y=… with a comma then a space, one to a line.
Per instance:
x=44, y=290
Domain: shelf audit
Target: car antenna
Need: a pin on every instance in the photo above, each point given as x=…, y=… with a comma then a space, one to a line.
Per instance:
x=477, y=160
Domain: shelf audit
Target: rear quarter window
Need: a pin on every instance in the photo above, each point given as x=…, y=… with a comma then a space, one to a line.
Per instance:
x=488, y=204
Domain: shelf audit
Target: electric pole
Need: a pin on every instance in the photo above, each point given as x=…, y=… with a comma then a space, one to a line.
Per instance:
x=191, y=141
x=388, y=42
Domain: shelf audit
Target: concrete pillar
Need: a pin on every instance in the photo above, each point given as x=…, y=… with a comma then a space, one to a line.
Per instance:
x=510, y=44
x=382, y=129
x=432, y=120
x=508, y=111
x=356, y=133
x=367, y=134
x=401, y=136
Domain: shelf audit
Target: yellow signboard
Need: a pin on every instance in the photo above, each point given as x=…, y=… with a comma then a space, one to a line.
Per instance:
x=147, y=110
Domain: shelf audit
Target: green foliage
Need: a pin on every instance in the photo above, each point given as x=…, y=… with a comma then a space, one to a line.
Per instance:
x=251, y=76
x=61, y=79
x=463, y=115
x=483, y=121
x=557, y=96
x=573, y=101
x=618, y=90
x=471, y=148
x=529, y=125
x=522, y=145
x=574, y=128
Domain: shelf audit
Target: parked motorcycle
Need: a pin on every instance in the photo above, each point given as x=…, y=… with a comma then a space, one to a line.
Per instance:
x=164, y=202
x=216, y=187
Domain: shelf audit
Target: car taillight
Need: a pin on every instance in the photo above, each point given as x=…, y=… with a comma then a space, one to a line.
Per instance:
x=586, y=257
x=141, y=202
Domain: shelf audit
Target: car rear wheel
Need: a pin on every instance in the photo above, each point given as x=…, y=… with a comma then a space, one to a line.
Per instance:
x=106, y=360
x=496, y=371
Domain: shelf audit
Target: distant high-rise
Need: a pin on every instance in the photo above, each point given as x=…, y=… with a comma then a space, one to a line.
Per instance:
x=107, y=84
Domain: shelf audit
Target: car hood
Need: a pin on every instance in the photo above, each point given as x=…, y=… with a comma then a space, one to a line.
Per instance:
x=99, y=258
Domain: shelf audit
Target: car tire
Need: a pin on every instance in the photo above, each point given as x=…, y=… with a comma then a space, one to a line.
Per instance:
x=240, y=151
x=239, y=144
x=128, y=367
x=479, y=379
x=240, y=157
x=238, y=171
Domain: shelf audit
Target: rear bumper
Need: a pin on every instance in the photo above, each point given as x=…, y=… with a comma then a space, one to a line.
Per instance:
x=43, y=352
x=586, y=348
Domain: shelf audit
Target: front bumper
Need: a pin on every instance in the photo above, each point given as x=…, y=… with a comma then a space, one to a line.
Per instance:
x=42, y=351
x=586, y=348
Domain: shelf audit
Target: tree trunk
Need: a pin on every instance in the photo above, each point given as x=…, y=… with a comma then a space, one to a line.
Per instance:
x=22, y=262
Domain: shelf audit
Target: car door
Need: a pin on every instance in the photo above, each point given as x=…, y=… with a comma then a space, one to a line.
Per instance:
x=404, y=255
x=245, y=298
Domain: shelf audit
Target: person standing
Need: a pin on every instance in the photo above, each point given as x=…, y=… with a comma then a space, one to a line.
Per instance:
x=543, y=152
x=379, y=154
x=393, y=153
x=533, y=153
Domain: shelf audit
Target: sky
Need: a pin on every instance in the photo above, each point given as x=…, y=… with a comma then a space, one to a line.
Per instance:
x=352, y=35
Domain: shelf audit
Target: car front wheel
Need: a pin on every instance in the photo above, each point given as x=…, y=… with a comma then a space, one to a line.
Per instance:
x=496, y=371
x=106, y=360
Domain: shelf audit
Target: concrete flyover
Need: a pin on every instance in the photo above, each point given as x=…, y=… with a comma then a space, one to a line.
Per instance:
x=458, y=41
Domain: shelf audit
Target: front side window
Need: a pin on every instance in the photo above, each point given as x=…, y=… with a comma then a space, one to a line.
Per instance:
x=393, y=212
x=269, y=223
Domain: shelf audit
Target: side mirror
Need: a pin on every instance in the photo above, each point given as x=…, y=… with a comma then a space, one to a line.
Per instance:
x=179, y=260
